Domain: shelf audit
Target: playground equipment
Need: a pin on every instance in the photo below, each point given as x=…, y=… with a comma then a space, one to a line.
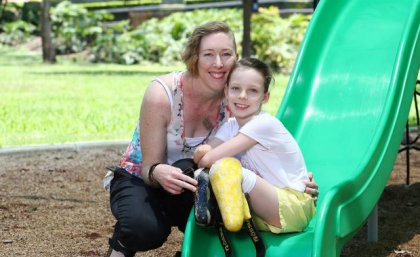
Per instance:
x=346, y=103
x=409, y=143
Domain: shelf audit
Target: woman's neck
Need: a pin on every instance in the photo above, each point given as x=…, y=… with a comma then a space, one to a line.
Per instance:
x=201, y=107
x=197, y=93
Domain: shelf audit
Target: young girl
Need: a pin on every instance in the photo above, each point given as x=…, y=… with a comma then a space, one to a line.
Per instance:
x=274, y=170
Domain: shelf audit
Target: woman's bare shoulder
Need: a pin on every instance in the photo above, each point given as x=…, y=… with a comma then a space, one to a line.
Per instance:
x=156, y=83
x=168, y=78
x=156, y=94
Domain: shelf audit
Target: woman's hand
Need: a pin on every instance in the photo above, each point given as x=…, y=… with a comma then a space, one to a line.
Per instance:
x=173, y=180
x=311, y=187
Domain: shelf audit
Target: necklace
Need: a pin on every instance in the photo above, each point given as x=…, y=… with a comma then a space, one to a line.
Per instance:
x=207, y=123
x=188, y=148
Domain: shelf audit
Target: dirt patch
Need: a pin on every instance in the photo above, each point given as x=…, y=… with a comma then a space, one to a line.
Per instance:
x=53, y=204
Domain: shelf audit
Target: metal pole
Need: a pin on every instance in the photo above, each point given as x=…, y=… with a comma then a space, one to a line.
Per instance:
x=373, y=225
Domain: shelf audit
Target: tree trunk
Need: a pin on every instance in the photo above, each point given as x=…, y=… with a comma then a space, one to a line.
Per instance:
x=315, y=3
x=246, y=39
x=48, y=50
x=2, y=6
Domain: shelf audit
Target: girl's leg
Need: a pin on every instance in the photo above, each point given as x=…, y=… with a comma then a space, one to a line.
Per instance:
x=264, y=202
x=229, y=180
x=226, y=177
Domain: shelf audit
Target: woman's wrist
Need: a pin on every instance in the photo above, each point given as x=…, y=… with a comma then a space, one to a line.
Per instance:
x=150, y=176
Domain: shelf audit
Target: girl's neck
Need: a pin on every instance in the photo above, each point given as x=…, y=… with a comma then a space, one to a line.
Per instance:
x=242, y=121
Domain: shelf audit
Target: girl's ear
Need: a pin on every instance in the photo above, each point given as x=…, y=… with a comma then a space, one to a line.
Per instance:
x=266, y=97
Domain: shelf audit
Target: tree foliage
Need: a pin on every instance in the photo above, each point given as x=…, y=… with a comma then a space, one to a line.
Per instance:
x=75, y=29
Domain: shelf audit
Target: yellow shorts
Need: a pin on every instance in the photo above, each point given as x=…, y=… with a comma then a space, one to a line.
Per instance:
x=296, y=210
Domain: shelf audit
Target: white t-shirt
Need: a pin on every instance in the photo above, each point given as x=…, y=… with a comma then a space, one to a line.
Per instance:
x=276, y=158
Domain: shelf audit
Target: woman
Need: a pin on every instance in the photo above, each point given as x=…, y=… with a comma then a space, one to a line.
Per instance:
x=179, y=112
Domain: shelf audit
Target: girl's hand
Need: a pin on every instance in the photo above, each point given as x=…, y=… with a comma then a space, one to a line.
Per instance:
x=173, y=180
x=200, y=151
x=311, y=187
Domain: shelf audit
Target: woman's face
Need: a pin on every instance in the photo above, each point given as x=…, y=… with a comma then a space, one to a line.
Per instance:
x=216, y=58
x=245, y=93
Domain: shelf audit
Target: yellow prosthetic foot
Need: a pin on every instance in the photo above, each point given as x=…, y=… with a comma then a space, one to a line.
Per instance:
x=226, y=182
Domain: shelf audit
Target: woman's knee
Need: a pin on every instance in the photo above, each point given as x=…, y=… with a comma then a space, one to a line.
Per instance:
x=143, y=235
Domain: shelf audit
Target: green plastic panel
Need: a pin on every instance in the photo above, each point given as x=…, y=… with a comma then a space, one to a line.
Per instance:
x=346, y=103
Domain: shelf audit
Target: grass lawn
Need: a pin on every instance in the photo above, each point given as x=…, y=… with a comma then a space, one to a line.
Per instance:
x=75, y=102
x=68, y=102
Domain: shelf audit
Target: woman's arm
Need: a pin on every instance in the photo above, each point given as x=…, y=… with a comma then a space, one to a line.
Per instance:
x=155, y=116
x=233, y=146
x=311, y=187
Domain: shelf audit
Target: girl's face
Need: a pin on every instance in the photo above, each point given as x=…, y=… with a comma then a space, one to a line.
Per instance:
x=245, y=93
x=216, y=58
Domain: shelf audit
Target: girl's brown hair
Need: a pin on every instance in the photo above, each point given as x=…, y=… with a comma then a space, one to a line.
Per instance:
x=259, y=66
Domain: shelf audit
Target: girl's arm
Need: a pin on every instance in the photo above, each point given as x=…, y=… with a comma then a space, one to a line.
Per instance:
x=201, y=150
x=233, y=146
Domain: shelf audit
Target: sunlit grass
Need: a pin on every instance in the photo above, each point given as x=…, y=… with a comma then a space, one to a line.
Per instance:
x=74, y=102
x=67, y=102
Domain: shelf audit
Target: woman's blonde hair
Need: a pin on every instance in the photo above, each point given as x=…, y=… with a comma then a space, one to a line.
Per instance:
x=190, y=54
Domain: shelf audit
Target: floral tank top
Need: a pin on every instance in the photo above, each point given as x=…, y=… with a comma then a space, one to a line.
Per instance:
x=178, y=147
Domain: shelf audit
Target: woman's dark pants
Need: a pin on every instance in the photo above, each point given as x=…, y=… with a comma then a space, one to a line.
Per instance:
x=145, y=214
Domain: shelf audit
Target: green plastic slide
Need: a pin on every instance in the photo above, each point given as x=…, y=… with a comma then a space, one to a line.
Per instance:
x=347, y=103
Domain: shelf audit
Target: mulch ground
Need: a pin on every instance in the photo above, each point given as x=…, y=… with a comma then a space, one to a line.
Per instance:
x=53, y=204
